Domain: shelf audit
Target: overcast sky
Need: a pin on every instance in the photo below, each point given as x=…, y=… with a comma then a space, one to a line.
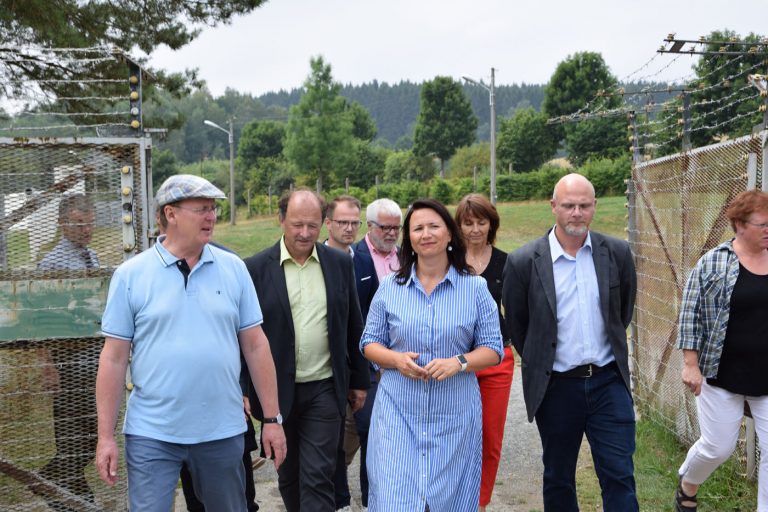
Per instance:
x=416, y=40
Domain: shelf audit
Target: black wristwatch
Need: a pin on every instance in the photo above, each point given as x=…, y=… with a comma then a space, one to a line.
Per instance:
x=463, y=361
x=277, y=419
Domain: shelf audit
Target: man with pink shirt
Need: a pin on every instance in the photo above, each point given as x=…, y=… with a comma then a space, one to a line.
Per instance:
x=384, y=223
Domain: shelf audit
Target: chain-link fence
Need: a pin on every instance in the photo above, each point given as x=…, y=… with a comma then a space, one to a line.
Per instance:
x=677, y=213
x=71, y=210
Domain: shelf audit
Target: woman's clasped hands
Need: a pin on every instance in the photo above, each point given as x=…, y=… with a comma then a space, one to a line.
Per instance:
x=438, y=369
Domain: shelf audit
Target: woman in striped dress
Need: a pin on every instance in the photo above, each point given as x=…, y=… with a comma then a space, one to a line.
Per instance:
x=430, y=326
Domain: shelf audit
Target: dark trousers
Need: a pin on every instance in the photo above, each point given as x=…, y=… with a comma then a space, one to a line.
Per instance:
x=74, y=418
x=194, y=504
x=600, y=407
x=311, y=429
x=363, y=423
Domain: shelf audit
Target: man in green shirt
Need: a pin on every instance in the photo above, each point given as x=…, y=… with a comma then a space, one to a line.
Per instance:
x=313, y=321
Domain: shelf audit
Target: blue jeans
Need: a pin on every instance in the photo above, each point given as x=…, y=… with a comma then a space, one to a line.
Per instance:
x=216, y=468
x=600, y=407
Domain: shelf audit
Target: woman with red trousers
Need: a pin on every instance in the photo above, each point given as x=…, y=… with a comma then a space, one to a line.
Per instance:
x=478, y=220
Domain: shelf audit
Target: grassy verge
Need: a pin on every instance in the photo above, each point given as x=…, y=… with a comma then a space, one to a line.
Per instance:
x=657, y=458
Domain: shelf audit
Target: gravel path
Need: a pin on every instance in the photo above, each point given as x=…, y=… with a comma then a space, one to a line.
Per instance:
x=518, y=483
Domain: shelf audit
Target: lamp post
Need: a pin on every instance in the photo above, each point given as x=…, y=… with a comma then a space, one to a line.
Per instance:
x=492, y=91
x=231, y=134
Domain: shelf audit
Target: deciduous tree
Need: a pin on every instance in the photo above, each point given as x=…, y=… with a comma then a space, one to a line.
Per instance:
x=575, y=85
x=525, y=141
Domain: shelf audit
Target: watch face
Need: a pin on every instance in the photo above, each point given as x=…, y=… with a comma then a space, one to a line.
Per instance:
x=279, y=419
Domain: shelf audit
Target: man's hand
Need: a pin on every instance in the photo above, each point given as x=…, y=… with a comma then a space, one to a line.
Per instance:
x=356, y=398
x=247, y=408
x=106, y=460
x=273, y=442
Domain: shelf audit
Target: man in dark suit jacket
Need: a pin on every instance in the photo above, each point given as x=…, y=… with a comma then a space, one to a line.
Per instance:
x=569, y=298
x=343, y=222
x=312, y=318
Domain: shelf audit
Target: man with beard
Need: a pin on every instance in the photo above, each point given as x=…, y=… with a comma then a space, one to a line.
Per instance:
x=384, y=223
x=568, y=298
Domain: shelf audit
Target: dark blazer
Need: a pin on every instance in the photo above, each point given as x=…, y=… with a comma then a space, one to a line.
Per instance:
x=365, y=279
x=361, y=247
x=345, y=324
x=530, y=306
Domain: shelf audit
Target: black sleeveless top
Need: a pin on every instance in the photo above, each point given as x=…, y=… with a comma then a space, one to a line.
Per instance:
x=493, y=275
x=742, y=368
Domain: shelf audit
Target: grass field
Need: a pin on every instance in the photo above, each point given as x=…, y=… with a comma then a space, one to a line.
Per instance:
x=520, y=223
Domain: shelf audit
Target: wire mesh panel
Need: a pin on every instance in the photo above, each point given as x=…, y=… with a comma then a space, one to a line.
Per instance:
x=70, y=212
x=678, y=213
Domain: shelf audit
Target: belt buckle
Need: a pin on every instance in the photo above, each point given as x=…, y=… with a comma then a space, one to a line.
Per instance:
x=589, y=368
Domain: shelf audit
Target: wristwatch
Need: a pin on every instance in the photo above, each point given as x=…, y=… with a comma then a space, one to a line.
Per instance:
x=277, y=419
x=463, y=361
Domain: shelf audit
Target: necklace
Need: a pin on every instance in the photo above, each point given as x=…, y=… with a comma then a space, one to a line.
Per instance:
x=480, y=262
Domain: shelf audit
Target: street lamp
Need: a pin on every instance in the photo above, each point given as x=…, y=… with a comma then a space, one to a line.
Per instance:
x=491, y=91
x=231, y=134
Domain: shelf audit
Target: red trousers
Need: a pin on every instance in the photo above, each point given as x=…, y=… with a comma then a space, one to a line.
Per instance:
x=495, y=383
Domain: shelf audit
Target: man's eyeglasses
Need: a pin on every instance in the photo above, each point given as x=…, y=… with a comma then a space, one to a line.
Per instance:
x=344, y=224
x=203, y=210
x=394, y=228
x=764, y=225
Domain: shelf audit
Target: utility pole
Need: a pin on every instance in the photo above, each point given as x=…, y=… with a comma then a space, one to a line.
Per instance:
x=492, y=92
x=231, y=137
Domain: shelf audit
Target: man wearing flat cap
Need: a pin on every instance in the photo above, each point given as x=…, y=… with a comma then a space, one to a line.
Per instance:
x=180, y=313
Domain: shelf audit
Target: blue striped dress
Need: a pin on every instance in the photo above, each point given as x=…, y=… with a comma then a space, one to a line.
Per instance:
x=424, y=444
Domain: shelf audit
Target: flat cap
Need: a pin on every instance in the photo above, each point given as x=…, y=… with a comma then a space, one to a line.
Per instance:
x=186, y=186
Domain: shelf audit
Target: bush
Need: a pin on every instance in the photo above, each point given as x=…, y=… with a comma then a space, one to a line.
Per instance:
x=549, y=175
x=518, y=186
x=442, y=191
x=407, y=192
x=341, y=191
x=260, y=205
x=608, y=175
x=462, y=187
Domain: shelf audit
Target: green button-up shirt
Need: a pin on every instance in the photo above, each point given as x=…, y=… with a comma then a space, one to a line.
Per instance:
x=309, y=309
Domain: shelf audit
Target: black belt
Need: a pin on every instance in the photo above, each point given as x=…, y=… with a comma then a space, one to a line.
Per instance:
x=584, y=371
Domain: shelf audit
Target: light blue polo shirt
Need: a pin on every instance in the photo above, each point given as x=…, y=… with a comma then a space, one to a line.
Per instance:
x=185, y=357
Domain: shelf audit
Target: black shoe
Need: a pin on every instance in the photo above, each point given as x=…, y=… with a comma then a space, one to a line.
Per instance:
x=681, y=497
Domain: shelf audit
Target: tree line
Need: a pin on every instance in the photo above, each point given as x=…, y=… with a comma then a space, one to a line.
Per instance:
x=331, y=135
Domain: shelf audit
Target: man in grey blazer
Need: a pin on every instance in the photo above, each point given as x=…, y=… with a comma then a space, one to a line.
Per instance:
x=569, y=298
x=312, y=315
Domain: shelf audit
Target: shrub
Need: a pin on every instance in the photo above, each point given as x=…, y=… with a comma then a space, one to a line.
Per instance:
x=442, y=191
x=608, y=175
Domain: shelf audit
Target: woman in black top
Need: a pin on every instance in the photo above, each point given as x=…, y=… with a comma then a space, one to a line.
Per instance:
x=478, y=220
x=723, y=332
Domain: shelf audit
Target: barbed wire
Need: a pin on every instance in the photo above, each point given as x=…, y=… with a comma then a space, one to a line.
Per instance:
x=725, y=122
x=61, y=126
x=68, y=87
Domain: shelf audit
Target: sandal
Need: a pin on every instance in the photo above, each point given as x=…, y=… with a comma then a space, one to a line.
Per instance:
x=681, y=497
